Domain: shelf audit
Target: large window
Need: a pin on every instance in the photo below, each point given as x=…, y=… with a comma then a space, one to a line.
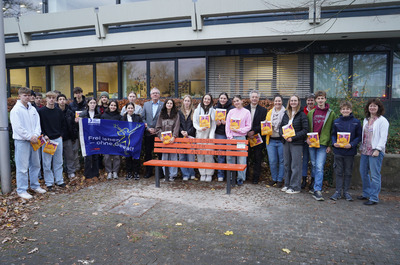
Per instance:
x=83, y=78
x=134, y=78
x=284, y=74
x=192, y=77
x=369, y=75
x=37, y=79
x=162, y=76
x=17, y=80
x=331, y=74
x=60, y=79
x=107, y=78
x=257, y=75
x=396, y=75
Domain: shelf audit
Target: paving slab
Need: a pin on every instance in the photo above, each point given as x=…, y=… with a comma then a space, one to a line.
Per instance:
x=132, y=222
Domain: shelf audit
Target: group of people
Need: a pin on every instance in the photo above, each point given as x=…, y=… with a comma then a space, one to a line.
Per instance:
x=58, y=122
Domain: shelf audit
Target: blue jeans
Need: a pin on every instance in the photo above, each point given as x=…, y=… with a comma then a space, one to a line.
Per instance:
x=275, y=157
x=370, y=170
x=220, y=159
x=318, y=158
x=242, y=160
x=187, y=172
x=173, y=171
x=26, y=158
x=53, y=165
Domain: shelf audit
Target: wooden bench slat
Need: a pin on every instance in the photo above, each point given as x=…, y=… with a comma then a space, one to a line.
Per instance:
x=200, y=146
x=199, y=152
x=186, y=164
x=208, y=141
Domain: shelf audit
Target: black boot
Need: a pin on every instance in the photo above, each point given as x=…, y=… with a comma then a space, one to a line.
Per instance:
x=311, y=187
x=304, y=183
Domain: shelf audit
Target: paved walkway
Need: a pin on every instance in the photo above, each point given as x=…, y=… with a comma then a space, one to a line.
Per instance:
x=130, y=222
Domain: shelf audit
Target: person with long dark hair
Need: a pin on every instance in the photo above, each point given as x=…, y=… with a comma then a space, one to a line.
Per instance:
x=112, y=162
x=374, y=137
x=132, y=165
x=224, y=102
x=169, y=121
x=205, y=130
x=92, y=161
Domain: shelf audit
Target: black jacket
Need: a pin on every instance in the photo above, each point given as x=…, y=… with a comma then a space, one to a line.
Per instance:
x=85, y=114
x=300, y=126
x=71, y=127
x=220, y=129
x=259, y=116
x=111, y=116
x=75, y=106
x=186, y=124
x=135, y=118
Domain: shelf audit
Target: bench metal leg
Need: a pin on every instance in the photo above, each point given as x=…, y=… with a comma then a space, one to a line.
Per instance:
x=228, y=182
x=166, y=175
x=158, y=176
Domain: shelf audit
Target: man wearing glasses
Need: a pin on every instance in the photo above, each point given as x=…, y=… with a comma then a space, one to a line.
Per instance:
x=151, y=111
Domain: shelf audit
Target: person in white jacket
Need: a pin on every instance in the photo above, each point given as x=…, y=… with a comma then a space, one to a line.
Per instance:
x=25, y=124
x=374, y=137
x=205, y=108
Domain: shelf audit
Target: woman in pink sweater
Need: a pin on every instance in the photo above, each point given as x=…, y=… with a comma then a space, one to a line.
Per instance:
x=238, y=124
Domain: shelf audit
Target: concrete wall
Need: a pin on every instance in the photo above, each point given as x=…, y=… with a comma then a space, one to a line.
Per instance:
x=310, y=28
x=390, y=172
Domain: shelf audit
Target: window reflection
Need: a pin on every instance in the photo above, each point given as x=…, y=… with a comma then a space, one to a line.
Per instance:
x=64, y=5
x=369, y=75
x=37, y=79
x=192, y=77
x=396, y=75
x=107, y=79
x=83, y=78
x=21, y=8
x=60, y=79
x=162, y=76
x=134, y=79
x=17, y=80
x=331, y=74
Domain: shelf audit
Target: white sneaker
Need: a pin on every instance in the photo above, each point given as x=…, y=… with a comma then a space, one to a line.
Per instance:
x=203, y=178
x=25, y=195
x=115, y=175
x=40, y=190
x=109, y=176
x=291, y=191
x=284, y=189
x=208, y=178
x=192, y=177
x=220, y=179
x=185, y=178
x=71, y=176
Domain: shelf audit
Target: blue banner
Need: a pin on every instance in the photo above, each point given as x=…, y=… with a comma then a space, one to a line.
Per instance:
x=111, y=137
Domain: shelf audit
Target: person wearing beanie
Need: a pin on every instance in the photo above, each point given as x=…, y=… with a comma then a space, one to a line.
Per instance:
x=103, y=103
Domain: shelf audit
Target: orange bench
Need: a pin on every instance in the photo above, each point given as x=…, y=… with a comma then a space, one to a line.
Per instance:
x=201, y=147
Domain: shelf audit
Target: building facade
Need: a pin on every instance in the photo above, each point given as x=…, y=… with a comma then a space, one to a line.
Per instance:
x=194, y=47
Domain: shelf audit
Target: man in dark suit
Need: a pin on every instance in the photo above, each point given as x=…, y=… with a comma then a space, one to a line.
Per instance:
x=151, y=111
x=258, y=115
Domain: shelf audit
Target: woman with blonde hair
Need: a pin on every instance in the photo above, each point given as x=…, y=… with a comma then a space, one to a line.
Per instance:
x=187, y=131
x=293, y=145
